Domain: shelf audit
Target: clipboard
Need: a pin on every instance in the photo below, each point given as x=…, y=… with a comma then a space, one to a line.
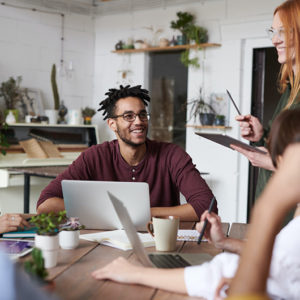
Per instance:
x=226, y=140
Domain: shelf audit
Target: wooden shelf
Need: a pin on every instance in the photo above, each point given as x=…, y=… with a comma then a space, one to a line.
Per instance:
x=169, y=48
x=208, y=127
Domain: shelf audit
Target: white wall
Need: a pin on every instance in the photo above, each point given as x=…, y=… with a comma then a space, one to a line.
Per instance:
x=233, y=23
x=30, y=44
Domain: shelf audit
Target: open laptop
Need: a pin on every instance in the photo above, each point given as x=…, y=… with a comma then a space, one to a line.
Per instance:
x=169, y=260
x=89, y=201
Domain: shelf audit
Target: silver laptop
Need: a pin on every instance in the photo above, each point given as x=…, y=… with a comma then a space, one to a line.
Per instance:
x=89, y=201
x=169, y=260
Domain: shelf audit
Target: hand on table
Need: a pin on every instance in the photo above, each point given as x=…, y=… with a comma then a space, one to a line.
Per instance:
x=213, y=232
x=251, y=128
x=257, y=159
x=11, y=222
x=119, y=270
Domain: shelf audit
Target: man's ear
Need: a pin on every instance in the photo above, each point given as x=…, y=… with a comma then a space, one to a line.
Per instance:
x=112, y=124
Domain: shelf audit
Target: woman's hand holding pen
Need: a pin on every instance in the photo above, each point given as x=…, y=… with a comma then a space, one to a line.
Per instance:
x=213, y=233
x=251, y=128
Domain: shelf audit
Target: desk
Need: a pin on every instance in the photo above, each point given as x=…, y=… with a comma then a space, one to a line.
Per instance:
x=72, y=275
x=48, y=172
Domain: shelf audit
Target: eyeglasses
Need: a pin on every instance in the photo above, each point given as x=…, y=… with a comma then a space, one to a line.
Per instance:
x=131, y=116
x=279, y=32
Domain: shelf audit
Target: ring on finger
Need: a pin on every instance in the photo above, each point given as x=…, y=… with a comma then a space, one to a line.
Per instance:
x=12, y=218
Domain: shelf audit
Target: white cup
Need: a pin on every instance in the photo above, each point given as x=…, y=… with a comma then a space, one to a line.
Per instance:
x=164, y=230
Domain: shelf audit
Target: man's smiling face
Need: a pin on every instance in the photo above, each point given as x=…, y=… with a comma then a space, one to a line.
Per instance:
x=132, y=133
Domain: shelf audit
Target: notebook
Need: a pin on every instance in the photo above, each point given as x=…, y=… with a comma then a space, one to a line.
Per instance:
x=26, y=233
x=89, y=201
x=168, y=260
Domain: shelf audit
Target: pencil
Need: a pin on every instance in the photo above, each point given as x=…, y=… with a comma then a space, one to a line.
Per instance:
x=212, y=202
x=233, y=102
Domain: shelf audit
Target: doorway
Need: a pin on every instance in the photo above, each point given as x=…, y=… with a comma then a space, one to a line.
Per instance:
x=264, y=99
x=168, y=88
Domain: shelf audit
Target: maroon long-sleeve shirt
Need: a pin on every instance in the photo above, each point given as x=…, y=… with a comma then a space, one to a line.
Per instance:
x=166, y=168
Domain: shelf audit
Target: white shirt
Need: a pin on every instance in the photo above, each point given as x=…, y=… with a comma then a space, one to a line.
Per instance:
x=284, y=278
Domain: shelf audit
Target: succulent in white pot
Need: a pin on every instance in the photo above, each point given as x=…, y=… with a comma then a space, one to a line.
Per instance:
x=69, y=233
x=46, y=238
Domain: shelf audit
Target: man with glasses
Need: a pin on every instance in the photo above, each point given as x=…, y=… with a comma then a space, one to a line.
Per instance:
x=133, y=157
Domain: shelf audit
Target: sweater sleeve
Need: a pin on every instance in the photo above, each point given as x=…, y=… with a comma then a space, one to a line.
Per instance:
x=78, y=170
x=189, y=181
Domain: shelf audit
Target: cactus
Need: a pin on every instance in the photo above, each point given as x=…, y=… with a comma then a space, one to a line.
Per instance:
x=54, y=87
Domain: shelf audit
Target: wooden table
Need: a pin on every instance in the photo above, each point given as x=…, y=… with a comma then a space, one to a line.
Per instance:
x=72, y=275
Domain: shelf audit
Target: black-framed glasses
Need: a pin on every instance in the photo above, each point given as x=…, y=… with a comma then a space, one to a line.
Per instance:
x=131, y=116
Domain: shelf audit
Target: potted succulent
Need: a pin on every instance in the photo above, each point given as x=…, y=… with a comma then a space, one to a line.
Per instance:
x=202, y=110
x=69, y=233
x=46, y=238
x=87, y=114
x=219, y=120
x=52, y=114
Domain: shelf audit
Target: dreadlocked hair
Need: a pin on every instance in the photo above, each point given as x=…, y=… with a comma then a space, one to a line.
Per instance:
x=113, y=95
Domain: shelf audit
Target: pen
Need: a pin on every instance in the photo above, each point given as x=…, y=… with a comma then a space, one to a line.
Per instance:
x=205, y=221
x=233, y=102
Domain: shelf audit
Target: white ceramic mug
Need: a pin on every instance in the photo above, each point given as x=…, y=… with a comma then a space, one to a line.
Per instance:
x=164, y=230
x=74, y=117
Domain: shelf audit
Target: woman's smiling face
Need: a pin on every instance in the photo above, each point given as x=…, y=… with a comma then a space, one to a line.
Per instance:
x=279, y=40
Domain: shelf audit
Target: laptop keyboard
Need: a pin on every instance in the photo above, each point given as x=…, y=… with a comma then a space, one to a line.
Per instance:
x=168, y=261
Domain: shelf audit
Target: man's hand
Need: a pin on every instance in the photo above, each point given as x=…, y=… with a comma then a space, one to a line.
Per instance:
x=257, y=159
x=11, y=222
x=251, y=128
x=213, y=232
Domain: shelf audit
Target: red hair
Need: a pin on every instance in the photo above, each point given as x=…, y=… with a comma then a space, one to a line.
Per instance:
x=289, y=13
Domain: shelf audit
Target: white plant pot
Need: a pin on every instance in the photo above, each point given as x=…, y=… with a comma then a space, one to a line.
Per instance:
x=52, y=115
x=49, y=246
x=69, y=239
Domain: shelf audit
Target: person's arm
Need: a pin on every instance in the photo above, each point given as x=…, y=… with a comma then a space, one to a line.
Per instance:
x=121, y=270
x=214, y=234
x=52, y=204
x=257, y=159
x=11, y=222
x=186, y=212
x=281, y=194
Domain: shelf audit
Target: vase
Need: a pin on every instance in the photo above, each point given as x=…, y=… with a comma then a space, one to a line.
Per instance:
x=74, y=117
x=49, y=246
x=52, y=115
x=69, y=239
x=10, y=118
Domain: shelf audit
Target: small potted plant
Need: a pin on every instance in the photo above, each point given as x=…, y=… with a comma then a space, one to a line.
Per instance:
x=69, y=233
x=219, y=120
x=46, y=238
x=36, y=265
x=202, y=110
x=87, y=114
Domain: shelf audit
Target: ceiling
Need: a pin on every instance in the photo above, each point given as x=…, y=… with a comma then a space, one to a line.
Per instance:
x=105, y=7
